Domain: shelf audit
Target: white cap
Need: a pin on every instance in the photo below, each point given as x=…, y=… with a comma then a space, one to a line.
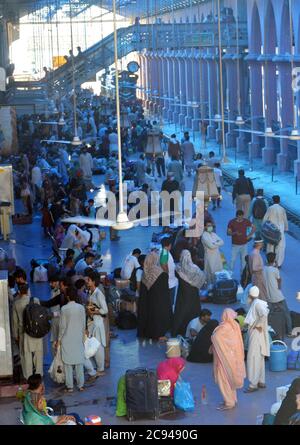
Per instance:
x=254, y=292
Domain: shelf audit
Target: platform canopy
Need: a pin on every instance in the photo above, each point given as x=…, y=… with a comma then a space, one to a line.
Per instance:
x=126, y=8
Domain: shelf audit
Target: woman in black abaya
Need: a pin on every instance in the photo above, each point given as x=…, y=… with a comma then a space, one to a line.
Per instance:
x=202, y=343
x=191, y=279
x=154, y=307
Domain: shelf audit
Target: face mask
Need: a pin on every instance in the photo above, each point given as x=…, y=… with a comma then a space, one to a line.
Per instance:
x=210, y=229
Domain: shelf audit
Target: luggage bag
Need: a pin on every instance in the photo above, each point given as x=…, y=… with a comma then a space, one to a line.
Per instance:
x=224, y=292
x=141, y=394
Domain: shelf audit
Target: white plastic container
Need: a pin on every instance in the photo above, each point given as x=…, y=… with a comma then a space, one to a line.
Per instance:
x=173, y=348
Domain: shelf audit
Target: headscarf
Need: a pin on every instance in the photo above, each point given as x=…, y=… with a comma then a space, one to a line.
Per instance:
x=229, y=348
x=152, y=270
x=288, y=405
x=170, y=369
x=188, y=271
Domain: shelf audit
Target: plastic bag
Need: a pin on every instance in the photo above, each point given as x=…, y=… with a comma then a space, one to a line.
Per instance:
x=183, y=396
x=185, y=346
x=91, y=346
x=57, y=370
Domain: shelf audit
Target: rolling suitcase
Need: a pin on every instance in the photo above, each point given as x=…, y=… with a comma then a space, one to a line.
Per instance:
x=276, y=320
x=141, y=394
x=224, y=292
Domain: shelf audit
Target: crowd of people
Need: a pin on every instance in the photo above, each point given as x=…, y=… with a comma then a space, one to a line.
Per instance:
x=167, y=282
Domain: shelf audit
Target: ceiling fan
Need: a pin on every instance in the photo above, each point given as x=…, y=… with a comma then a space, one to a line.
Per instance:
x=122, y=222
x=51, y=141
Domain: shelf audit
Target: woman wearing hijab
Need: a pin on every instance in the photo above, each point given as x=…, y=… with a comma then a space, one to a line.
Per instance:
x=201, y=345
x=289, y=405
x=188, y=306
x=171, y=369
x=154, y=308
x=228, y=353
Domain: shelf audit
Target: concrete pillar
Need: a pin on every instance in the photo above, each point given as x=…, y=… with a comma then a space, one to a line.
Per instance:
x=297, y=162
x=176, y=77
x=160, y=102
x=212, y=95
x=182, y=77
x=165, y=84
x=171, y=86
x=148, y=84
x=189, y=90
x=268, y=152
x=143, y=84
x=256, y=106
x=232, y=97
x=287, y=100
x=196, y=92
x=203, y=83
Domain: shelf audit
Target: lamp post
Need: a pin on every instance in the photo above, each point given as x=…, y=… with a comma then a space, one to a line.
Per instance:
x=123, y=222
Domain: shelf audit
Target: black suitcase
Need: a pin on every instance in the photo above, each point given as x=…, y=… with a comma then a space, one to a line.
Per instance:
x=276, y=320
x=224, y=292
x=141, y=394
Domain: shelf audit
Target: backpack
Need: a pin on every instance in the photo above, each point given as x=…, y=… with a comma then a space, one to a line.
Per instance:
x=36, y=320
x=126, y=320
x=40, y=274
x=259, y=208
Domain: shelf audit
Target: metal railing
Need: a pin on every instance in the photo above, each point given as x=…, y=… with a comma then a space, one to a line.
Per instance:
x=152, y=37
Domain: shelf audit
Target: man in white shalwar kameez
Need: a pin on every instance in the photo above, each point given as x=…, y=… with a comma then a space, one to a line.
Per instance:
x=258, y=340
x=277, y=215
x=86, y=165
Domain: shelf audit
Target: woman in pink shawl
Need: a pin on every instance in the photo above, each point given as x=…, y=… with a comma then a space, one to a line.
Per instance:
x=171, y=369
x=229, y=365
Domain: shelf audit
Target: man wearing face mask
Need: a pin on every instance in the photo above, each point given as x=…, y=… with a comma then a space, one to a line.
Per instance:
x=212, y=257
x=258, y=345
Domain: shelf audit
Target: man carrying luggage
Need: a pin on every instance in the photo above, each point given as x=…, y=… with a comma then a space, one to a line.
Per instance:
x=275, y=297
x=277, y=215
x=31, y=349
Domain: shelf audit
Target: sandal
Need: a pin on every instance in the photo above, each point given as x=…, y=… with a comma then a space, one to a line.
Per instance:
x=248, y=390
x=225, y=407
x=261, y=386
x=81, y=389
x=68, y=390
